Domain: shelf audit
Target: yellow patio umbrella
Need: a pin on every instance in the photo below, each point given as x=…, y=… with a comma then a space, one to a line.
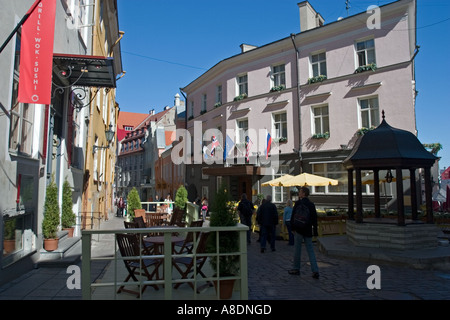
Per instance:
x=307, y=179
x=276, y=182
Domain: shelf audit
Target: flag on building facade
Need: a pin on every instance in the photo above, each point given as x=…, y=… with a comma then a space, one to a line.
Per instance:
x=268, y=145
x=205, y=152
x=36, y=54
x=214, y=145
x=249, y=144
x=229, y=145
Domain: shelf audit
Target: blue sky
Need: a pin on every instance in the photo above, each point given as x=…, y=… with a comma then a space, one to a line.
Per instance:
x=169, y=43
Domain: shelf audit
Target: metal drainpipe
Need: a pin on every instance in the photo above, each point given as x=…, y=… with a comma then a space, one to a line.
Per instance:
x=185, y=108
x=298, y=101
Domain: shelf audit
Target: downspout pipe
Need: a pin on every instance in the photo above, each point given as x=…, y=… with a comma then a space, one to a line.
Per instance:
x=299, y=150
x=185, y=107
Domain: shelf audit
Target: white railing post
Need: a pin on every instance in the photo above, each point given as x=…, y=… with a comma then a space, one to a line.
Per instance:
x=86, y=265
x=243, y=264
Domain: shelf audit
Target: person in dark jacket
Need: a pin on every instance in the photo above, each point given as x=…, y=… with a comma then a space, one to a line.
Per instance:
x=305, y=235
x=245, y=208
x=267, y=219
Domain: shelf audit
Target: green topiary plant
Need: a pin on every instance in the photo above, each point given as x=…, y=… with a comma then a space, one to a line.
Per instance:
x=68, y=218
x=181, y=198
x=134, y=202
x=10, y=229
x=51, y=212
x=222, y=216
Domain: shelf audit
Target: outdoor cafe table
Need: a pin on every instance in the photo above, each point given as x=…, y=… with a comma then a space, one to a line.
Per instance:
x=158, y=242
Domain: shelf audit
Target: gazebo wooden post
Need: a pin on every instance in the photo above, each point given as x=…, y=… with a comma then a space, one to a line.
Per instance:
x=412, y=181
x=359, y=209
x=351, y=203
x=400, y=201
x=428, y=195
x=377, y=193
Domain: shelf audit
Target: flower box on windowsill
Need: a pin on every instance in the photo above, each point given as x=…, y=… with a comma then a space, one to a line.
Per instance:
x=366, y=67
x=218, y=104
x=364, y=130
x=325, y=135
x=282, y=140
x=240, y=97
x=316, y=79
x=191, y=117
x=278, y=88
x=203, y=112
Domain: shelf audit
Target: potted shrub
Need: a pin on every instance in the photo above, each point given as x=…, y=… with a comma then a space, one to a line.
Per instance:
x=179, y=212
x=223, y=216
x=181, y=198
x=9, y=237
x=68, y=218
x=133, y=203
x=51, y=217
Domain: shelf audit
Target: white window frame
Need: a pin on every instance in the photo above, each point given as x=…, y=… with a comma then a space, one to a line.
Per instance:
x=17, y=136
x=372, y=122
x=204, y=102
x=219, y=94
x=326, y=173
x=242, y=84
x=321, y=117
x=277, y=132
x=365, y=51
x=319, y=64
x=278, y=77
x=241, y=133
x=280, y=194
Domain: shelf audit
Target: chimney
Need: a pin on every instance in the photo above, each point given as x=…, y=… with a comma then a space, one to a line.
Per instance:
x=247, y=47
x=309, y=18
x=152, y=112
x=177, y=100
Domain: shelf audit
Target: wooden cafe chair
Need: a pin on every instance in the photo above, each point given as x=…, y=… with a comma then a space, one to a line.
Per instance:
x=129, y=247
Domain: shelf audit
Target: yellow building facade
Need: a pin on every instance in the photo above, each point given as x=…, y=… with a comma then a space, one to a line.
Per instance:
x=99, y=176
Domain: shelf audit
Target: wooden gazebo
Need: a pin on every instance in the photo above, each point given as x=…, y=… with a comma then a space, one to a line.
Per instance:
x=388, y=148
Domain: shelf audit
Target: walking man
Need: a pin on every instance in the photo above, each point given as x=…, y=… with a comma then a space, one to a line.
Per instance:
x=267, y=219
x=305, y=234
x=245, y=208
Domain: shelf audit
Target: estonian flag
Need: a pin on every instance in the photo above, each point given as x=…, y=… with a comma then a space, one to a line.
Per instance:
x=269, y=143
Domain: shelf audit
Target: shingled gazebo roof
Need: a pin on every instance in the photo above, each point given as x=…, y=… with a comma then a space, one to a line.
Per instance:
x=388, y=147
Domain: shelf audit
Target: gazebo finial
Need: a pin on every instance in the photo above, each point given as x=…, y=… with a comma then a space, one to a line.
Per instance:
x=382, y=114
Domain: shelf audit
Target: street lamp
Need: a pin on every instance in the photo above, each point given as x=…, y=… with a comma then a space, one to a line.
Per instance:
x=389, y=176
x=109, y=134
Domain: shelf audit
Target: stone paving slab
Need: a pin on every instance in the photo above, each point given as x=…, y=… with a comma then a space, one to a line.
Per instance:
x=340, y=278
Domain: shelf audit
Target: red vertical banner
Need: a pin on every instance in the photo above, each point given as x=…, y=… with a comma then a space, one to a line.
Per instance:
x=36, y=54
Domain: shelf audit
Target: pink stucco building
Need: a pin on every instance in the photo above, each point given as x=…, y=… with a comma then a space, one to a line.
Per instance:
x=313, y=92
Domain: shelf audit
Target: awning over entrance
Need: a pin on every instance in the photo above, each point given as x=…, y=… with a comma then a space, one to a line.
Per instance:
x=85, y=71
x=244, y=170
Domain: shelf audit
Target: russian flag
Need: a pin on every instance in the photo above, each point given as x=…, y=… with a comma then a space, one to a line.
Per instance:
x=269, y=143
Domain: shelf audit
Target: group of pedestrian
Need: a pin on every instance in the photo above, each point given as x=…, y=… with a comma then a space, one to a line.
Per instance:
x=120, y=204
x=267, y=219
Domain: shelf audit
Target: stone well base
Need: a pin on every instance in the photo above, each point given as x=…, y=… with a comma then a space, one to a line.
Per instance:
x=392, y=236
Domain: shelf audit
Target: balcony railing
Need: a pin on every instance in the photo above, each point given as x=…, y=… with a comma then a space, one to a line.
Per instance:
x=88, y=286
